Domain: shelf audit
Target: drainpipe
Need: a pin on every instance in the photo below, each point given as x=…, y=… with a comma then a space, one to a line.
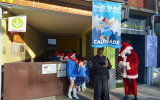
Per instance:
x=152, y=68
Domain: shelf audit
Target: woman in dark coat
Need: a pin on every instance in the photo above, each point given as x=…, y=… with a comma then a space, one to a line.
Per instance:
x=101, y=75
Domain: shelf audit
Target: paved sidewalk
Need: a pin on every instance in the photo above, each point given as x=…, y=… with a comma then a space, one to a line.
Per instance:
x=145, y=92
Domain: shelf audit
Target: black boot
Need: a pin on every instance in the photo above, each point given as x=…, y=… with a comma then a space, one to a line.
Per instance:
x=126, y=97
x=135, y=98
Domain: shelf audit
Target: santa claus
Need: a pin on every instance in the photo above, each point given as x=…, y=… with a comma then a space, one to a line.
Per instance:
x=128, y=63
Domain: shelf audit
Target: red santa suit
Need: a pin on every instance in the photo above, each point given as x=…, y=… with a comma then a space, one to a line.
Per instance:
x=129, y=68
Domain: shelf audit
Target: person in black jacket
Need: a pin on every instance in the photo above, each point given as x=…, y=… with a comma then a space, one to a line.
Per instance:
x=101, y=75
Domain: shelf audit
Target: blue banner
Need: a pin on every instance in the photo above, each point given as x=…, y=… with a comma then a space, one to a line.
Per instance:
x=151, y=54
x=106, y=24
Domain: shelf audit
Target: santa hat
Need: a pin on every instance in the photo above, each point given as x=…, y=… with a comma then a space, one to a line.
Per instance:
x=59, y=55
x=124, y=47
x=80, y=62
x=72, y=55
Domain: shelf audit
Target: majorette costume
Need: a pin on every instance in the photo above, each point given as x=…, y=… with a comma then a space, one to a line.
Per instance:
x=72, y=68
x=82, y=77
x=72, y=72
x=128, y=63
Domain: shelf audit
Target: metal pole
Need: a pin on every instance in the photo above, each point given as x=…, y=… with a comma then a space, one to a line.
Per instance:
x=149, y=69
x=153, y=33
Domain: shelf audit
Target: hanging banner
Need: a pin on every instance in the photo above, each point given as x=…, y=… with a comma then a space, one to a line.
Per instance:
x=106, y=24
x=111, y=55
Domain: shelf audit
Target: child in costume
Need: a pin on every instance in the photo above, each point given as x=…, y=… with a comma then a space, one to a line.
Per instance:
x=128, y=63
x=72, y=73
x=87, y=73
x=82, y=78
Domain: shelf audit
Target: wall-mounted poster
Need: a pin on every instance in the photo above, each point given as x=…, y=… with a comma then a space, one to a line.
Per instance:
x=151, y=48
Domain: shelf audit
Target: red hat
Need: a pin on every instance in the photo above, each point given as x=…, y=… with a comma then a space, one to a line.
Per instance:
x=79, y=62
x=72, y=55
x=125, y=46
x=59, y=54
x=69, y=54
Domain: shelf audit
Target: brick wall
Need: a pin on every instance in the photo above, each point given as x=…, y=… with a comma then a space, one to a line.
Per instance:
x=137, y=3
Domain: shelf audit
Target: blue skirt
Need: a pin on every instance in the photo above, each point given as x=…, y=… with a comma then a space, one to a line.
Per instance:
x=79, y=80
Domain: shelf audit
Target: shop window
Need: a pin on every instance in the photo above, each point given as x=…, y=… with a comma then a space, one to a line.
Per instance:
x=51, y=49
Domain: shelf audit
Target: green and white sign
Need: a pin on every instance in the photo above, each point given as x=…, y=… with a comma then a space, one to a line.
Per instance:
x=134, y=25
x=17, y=24
x=110, y=55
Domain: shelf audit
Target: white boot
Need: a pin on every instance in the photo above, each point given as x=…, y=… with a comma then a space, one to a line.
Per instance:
x=79, y=88
x=69, y=93
x=75, y=93
x=83, y=86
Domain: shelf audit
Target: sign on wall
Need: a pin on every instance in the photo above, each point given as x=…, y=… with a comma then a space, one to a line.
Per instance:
x=151, y=48
x=106, y=24
x=17, y=24
x=110, y=55
x=134, y=26
x=49, y=68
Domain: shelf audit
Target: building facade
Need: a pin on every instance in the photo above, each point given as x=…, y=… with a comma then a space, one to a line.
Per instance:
x=69, y=22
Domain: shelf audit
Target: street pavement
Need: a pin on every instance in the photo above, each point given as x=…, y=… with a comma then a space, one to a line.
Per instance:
x=145, y=92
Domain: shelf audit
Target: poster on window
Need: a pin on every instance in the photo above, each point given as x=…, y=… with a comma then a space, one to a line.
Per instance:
x=106, y=24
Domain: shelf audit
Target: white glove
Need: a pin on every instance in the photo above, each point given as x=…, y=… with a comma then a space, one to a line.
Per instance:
x=122, y=64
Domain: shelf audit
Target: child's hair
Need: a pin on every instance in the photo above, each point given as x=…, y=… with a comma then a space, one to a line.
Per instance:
x=85, y=60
